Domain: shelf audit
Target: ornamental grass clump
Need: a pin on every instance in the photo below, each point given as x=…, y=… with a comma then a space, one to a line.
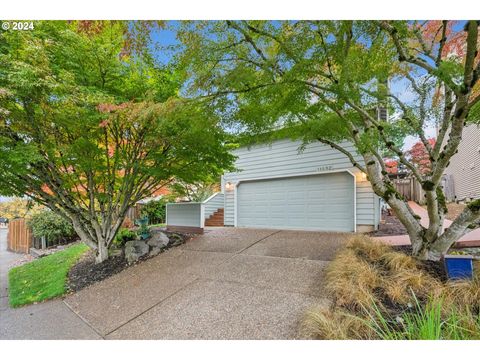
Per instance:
x=324, y=323
x=378, y=292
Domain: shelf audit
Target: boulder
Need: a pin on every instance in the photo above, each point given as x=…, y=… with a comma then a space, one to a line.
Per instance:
x=158, y=239
x=155, y=251
x=175, y=240
x=135, y=249
x=115, y=252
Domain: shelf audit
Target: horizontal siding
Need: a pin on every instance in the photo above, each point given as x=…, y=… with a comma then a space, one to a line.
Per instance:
x=465, y=165
x=212, y=205
x=229, y=211
x=184, y=214
x=284, y=158
x=376, y=200
x=365, y=204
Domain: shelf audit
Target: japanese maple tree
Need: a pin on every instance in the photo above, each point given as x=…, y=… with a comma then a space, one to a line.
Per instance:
x=420, y=157
x=90, y=123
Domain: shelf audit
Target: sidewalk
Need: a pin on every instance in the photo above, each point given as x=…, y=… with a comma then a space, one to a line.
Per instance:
x=48, y=320
x=472, y=239
x=7, y=258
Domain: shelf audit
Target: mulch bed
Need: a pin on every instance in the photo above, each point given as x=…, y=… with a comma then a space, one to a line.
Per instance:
x=434, y=268
x=86, y=272
x=389, y=226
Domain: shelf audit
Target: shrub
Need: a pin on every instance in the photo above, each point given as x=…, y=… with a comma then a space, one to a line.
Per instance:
x=155, y=210
x=54, y=227
x=123, y=236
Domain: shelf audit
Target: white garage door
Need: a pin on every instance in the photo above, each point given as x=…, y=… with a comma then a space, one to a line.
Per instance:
x=318, y=202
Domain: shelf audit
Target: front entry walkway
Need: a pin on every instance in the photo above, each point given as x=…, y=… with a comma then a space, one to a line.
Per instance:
x=228, y=283
x=472, y=239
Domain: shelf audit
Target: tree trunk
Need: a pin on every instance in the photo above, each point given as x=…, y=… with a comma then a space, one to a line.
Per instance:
x=102, y=252
x=426, y=247
x=432, y=254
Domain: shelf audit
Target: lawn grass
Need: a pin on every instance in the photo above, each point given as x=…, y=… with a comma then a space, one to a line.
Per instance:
x=44, y=278
x=157, y=225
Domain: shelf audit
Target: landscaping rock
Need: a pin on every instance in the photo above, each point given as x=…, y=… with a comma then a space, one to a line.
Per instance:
x=155, y=251
x=135, y=250
x=158, y=239
x=116, y=252
x=175, y=240
x=177, y=243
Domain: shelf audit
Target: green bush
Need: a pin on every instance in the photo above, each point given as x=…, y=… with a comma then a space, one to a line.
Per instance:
x=123, y=236
x=155, y=210
x=51, y=225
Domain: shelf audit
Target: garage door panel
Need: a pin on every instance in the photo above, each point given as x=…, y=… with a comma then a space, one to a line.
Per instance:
x=320, y=202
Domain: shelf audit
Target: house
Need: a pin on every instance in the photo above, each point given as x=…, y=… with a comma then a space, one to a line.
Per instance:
x=3, y=223
x=278, y=186
x=463, y=173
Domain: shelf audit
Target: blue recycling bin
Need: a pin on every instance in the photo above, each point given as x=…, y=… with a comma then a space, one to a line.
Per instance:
x=459, y=266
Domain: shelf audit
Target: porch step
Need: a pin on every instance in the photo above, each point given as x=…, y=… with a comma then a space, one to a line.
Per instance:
x=216, y=219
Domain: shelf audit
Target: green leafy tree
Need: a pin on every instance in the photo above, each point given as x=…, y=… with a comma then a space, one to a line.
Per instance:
x=327, y=81
x=199, y=191
x=155, y=210
x=90, y=123
x=19, y=208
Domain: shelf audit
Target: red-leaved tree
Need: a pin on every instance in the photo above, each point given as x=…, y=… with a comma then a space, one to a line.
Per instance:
x=420, y=157
x=391, y=166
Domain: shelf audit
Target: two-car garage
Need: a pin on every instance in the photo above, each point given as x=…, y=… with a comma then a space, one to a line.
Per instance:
x=323, y=202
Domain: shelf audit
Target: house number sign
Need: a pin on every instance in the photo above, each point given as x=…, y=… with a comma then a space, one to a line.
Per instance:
x=325, y=168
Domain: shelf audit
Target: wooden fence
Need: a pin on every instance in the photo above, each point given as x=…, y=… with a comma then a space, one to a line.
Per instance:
x=448, y=187
x=411, y=189
x=134, y=213
x=19, y=237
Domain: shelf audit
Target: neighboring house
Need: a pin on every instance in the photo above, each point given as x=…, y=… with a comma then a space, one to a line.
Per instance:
x=280, y=187
x=3, y=223
x=464, y=168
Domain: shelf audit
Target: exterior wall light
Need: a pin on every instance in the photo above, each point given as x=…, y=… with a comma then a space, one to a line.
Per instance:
x=229, y=186
x=362, y=176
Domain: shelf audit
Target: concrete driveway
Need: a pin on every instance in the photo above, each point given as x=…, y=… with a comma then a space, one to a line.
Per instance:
x=228, y=283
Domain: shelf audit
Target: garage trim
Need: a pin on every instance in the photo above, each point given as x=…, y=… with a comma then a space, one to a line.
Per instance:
x=298, y=175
